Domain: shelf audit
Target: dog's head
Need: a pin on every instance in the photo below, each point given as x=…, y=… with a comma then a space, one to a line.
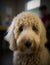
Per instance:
x=26, y=33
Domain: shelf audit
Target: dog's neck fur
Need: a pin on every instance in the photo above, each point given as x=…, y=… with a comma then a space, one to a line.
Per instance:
x=31, y=59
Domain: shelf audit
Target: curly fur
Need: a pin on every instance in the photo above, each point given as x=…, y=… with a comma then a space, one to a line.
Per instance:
x=37, y=54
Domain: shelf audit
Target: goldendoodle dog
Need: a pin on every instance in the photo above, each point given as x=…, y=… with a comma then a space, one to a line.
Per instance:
x=27, y=38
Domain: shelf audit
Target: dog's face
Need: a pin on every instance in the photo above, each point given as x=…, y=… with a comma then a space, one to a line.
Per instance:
x=26, y=33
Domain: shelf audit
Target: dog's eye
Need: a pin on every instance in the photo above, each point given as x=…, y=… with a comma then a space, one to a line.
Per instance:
x=21, y=28
x=34, y=28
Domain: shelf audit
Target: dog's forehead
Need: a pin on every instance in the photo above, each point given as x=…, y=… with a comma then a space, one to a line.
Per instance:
x=26, y=19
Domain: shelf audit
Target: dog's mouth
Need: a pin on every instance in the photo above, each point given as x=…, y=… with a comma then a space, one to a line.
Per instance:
x=28, y=50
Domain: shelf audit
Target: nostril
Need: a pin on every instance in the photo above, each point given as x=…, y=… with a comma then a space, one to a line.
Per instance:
x=27, y=44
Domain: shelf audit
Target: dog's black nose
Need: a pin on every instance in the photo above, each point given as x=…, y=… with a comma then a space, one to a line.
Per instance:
x=27, y=43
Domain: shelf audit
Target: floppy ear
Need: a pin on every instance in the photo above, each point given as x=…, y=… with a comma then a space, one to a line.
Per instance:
x=43, y=33
x=43, y=36
x=10, y=36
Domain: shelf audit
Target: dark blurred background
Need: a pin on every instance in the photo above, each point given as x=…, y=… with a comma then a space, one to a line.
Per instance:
x=8, y=10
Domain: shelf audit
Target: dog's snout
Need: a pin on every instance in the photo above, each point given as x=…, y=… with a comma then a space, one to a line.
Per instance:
x=27, y=43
